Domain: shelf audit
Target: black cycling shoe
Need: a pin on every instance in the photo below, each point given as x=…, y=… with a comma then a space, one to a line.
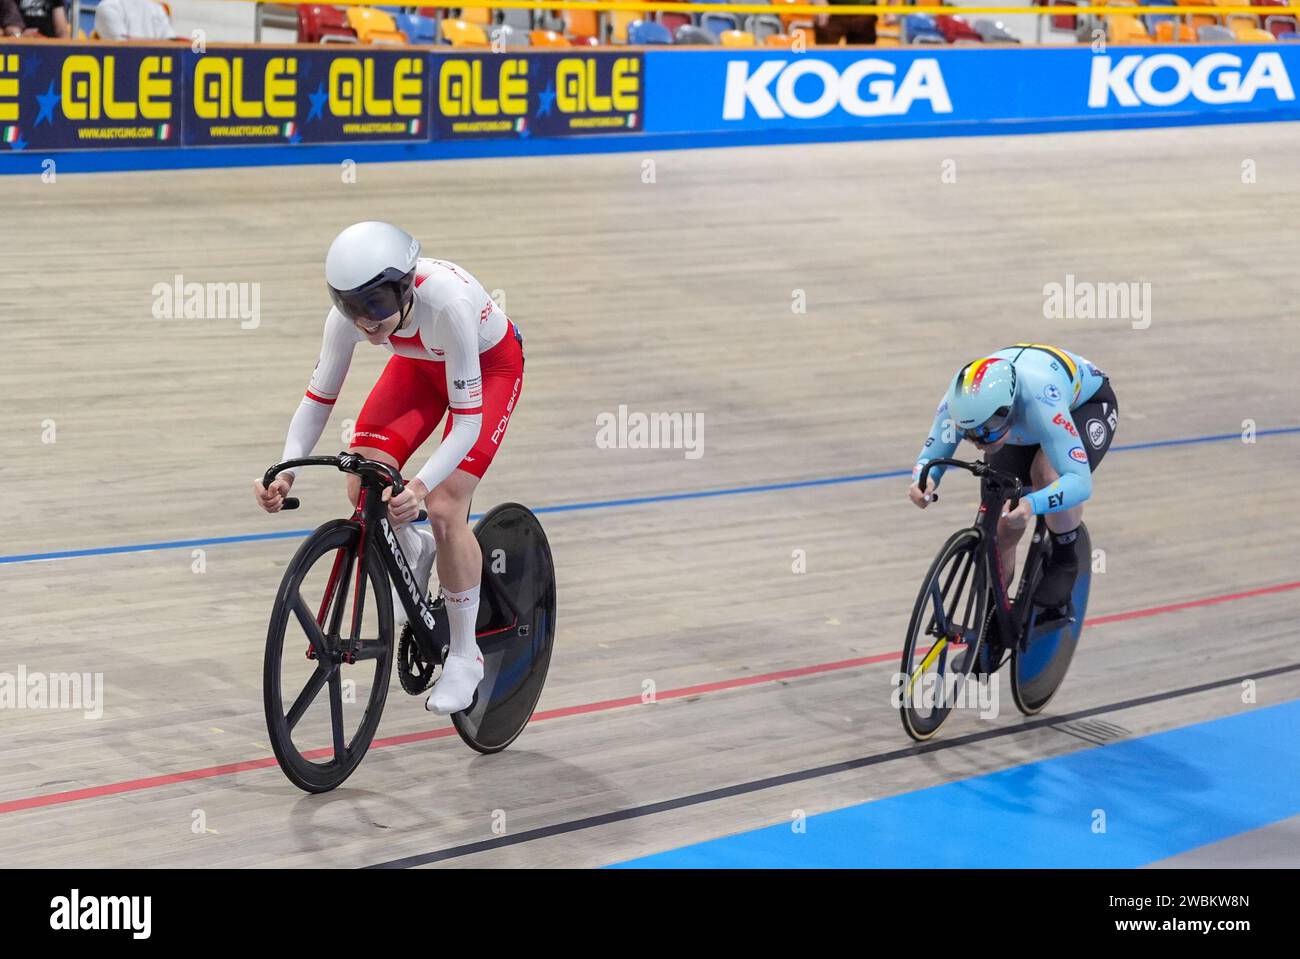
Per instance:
x=1059, y=574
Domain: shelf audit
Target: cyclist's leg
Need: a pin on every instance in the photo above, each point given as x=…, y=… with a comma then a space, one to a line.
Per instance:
x=460, y=561
x=1015, y=460
x=401, y=412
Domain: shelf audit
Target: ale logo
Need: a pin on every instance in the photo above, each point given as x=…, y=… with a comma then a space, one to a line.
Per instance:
x=770, y=89
x=1215, y=78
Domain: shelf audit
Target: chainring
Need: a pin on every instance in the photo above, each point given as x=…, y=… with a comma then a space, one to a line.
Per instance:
x=414, y=672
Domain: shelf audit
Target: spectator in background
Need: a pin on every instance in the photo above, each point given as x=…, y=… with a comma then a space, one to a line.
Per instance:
x=11, y=21
x=44, y=18
x=132, y=20
x=851, y=29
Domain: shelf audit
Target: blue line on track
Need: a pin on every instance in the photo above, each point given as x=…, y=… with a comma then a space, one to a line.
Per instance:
x=594, y=504
x=1162, y=794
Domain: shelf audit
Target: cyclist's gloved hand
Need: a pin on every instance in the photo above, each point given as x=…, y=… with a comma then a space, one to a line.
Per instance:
x=403, y=507
x=271, y=498
x=919, y=498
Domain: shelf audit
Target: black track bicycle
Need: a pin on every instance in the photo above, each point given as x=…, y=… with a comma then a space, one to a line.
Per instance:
x=965, y=622
x=325, y=683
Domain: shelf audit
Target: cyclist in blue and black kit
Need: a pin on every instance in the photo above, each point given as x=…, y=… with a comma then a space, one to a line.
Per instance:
x=1040, y=413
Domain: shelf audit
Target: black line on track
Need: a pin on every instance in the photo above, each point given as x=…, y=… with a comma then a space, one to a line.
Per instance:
x=803, y=775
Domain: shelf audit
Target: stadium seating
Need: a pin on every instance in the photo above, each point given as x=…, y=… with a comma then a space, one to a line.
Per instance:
x=619, y=21
x=671, y=21
x=418, y=28
x=763, y=25
x=647, y=32
x=956, y=28
x=737, y=38
x=374, y=26
x=688, y=34
x=548, y=38
x=322, y=24
x=580, y=25
x=461, y=33
x=921, y=28
x=521, y=21
x=992, y=31
x=503, y=34
x=1214, y=33
x=478, y=15
x=1125, y=27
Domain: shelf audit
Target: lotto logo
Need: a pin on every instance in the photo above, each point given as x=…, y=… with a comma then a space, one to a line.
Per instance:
x=1065, y=424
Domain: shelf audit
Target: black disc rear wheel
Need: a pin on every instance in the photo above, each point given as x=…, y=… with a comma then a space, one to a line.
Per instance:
x=516, y=627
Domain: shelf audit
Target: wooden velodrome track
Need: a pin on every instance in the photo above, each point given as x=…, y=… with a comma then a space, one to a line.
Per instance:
x=670, y=295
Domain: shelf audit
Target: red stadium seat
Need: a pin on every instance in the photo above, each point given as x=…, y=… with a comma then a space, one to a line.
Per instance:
x=318, y=24
x=956, y=28
x=673, y=20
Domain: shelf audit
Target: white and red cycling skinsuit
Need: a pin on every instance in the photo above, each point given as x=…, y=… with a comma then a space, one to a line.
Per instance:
x=458, y=352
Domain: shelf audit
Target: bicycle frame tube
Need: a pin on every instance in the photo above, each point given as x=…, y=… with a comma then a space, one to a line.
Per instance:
x=372, y=514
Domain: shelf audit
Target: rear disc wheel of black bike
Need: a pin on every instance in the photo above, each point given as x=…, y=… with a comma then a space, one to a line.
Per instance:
x=1038, y=670
x=516, y=643
x=943, y=636
x=324, y=694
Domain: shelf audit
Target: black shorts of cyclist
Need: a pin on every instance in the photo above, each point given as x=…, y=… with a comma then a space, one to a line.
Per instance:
x=1096, y=421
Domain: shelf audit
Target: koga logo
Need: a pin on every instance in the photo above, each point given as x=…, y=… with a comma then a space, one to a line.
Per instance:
x=923, y=81
x=407, y=578
x=1214, y=78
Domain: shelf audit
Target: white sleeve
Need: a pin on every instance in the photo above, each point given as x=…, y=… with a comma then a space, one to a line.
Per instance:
x=110, y=23
x=305, y=429
x=464, y=392
x=162, y=25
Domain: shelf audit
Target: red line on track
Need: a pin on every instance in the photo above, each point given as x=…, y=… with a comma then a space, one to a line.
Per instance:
x=151, y=782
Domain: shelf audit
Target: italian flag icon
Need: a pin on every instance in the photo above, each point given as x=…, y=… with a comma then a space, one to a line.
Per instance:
x=11, y=134
x=165, y=131
x=290, y=128
x=415, y=126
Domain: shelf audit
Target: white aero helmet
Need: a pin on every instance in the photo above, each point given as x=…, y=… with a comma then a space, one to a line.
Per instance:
x=370, y=269
x=982, y=399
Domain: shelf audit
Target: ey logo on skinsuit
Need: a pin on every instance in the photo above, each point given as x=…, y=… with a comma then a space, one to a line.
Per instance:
x=1214, y=79
x=770, y=89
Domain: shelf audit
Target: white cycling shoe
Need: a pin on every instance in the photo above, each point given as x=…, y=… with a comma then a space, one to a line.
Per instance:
x=454, y=689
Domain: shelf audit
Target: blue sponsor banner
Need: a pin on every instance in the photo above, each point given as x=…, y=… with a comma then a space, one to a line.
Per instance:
x=738, y=90
x=520, y=95
x=89, y=97
x=306, y=95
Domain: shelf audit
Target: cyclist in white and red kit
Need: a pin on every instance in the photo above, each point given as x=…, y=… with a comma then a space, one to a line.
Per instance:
x=455, y=352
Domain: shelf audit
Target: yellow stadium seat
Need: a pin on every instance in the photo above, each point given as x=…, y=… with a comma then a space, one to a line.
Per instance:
x=789, y=20
x=1165, y=32
x=581, y=23
x=736, y=38
x=480, y=15
x=548, y=38
x=374, y=26
x=461, y=34
x=787, y=39
x=1248, y=34
x=1125, y=28
x=619, y=20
